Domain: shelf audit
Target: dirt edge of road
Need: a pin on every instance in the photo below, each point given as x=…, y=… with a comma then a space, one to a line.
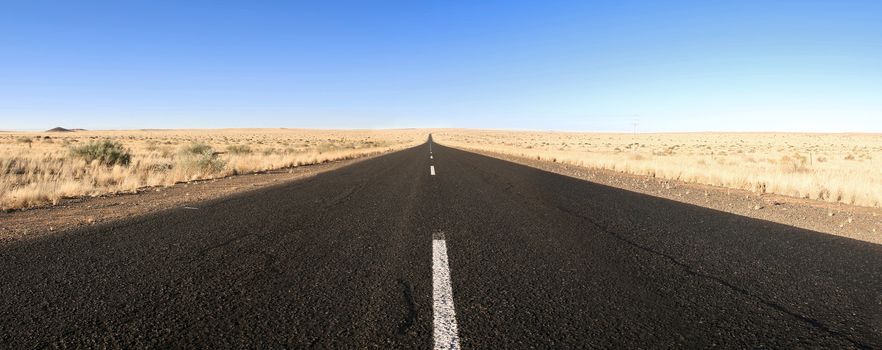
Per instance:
x=78, y=212
x=860, y=223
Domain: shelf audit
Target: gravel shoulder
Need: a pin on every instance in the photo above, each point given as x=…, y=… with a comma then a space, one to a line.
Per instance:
x=85, y=211
x=860, y=223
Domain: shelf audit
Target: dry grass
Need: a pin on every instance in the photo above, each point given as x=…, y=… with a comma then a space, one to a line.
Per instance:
x=845, y=168
x=42, y=168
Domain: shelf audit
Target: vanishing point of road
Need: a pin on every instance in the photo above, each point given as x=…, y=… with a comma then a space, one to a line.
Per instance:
x=433, y=247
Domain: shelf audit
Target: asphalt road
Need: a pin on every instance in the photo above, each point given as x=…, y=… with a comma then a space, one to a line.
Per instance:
x=346, y=259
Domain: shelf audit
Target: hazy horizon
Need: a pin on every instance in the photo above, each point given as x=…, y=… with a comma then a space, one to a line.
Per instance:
x=685, y=66
x=639, y=132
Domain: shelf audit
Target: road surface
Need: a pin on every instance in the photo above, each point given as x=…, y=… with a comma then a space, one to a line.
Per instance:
x=448, y=249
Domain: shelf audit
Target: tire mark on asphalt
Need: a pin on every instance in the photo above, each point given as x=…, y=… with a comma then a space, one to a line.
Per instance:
x=271, y=263
x=351, y=191
x=345, y=196
x=410, y=304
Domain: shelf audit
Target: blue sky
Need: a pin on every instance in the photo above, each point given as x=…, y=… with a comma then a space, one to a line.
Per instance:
x=581, y=65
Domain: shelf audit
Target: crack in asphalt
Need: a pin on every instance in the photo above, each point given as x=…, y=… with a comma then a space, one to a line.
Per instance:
x=685, y=267
x=693, y=272
x=203, y=252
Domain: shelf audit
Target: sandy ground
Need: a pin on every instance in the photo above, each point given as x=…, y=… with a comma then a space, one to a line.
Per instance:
x=861, y=223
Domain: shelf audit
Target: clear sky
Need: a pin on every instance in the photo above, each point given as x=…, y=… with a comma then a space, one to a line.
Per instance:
x=582, y=65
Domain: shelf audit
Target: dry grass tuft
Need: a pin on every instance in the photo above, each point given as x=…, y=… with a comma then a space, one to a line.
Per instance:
x=38, y=169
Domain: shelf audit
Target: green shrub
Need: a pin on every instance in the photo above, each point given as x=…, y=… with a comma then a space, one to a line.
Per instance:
x=199, y=158
x=107, y=152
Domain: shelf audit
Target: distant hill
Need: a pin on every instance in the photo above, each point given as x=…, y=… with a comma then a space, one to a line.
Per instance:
x=59, y=129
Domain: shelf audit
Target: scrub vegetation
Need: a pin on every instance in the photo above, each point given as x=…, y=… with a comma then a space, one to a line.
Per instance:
x=42, y=168
x=843, y=168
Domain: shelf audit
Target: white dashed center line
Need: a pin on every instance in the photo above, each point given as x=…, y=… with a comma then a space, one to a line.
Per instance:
x=446, y=336
x=432, y=170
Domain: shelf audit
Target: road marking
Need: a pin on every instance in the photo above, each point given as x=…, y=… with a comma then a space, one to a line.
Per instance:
x=432, y=170
x=430, y=157
x=446, y=335
x=191, y=208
